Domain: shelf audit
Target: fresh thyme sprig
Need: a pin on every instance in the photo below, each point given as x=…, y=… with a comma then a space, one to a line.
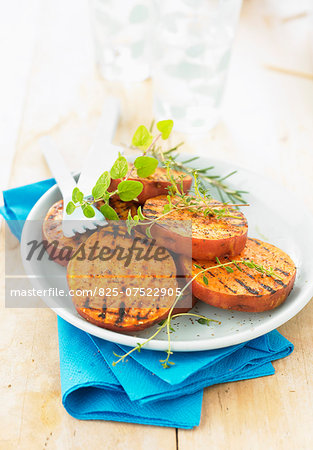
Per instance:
x=166, y=363
x=246, y=262
x=201, y=202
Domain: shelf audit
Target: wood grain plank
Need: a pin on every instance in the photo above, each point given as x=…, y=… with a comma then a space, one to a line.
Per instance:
x=266, y=126
x=274, y=412
x=66, y=105
x=31, y=411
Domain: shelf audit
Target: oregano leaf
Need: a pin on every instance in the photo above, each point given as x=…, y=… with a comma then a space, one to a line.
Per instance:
x=204, y=321
x=166, y=208
x=70, y=208
x=101, y=185
x=145, y=165
x=119, y=168
x=129, y=190
x=108, y=212
x=142, y=138
x=140, y=215
x=77, y=195
x=165, y=127
x=88, y=211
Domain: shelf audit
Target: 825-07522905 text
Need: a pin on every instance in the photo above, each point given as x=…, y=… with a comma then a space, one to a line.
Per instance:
x=105, y=291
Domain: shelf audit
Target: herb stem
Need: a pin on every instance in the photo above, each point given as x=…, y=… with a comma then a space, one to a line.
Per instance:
x=141, y=345
x=156, y=138
x=194, y=315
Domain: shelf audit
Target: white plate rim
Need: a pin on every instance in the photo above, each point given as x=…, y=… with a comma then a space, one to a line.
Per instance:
x=182, y=345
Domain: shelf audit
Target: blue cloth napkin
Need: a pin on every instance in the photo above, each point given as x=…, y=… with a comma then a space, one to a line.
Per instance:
x=140, y=390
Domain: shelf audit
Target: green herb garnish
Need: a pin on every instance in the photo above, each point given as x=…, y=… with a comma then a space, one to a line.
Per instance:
x=166, y=363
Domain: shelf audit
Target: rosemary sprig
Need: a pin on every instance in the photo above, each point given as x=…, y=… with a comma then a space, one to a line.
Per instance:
x=169, y=157
x=217, y=181
x=201, y=200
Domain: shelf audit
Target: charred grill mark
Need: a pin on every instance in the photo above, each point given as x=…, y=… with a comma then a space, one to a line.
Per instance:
x=248, y=288
x=282, y=271
x=139, y=317
x=222, y=283
x=255, y=241
x=280, y=282
x=227, y=287
x=150, y=211
x=86, y=304
x=104, y=309
x=287, y=263
x=248, y=274
x=241, y=224
x=116, y=313
x=121, y=313
x=268, y=288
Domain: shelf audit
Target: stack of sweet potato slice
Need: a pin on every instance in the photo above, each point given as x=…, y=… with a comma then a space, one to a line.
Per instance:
x=225, y=238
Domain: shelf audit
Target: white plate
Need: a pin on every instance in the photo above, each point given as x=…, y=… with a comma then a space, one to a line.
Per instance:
x=274, y=216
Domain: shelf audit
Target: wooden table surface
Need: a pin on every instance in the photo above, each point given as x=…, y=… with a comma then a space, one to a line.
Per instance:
x=266, y=125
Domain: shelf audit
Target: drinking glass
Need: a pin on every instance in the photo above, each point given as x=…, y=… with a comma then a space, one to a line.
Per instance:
x=191, y=50
x=122, y=32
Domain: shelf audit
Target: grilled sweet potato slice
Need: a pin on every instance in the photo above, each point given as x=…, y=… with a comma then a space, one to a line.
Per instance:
x=62, y=248
x=120, y=297
x=211, y=237
x=157, y=183
x=247, y=289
